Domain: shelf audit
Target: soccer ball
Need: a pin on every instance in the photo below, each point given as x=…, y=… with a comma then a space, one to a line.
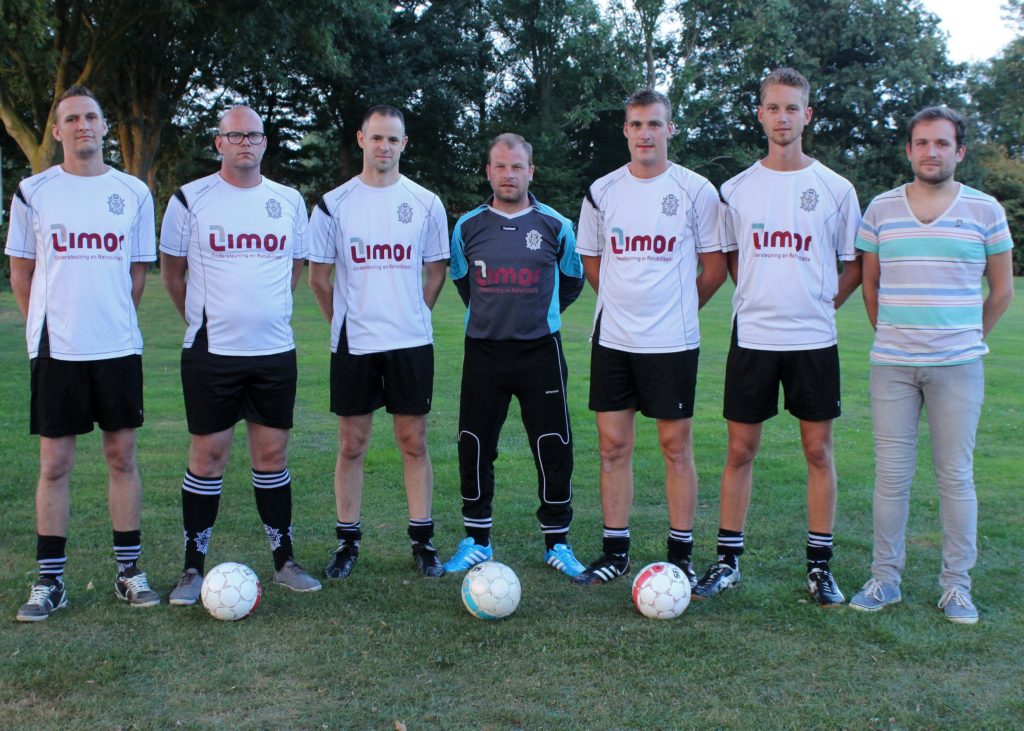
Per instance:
x=231, y=591
x=491, y=590
x=661, y=591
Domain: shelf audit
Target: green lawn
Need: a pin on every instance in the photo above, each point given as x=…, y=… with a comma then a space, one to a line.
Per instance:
x=386, y=646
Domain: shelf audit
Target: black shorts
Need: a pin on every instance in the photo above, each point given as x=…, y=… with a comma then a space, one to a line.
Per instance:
x=401, y=380
x=658, y=385
x=809, y=378
x=68, y=396
x=220, y=390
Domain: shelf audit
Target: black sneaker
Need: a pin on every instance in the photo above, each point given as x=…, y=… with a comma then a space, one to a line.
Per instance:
x=609, y=566
x=343, y=560
x=47, y=596
x=132, y=587
x=686, y=567
x=428, y=563
x=718, y=578
x=823, y=588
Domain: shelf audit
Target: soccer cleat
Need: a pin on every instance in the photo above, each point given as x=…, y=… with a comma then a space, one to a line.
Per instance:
x=686, y=567
x=428, y=563
x=294, y=577
x=132, y=587
x=47, y=596
x=343, y=560
x=718, y=578
x=607, y=567
x=875, y=595
x=186, y=593
x=561, y=557
x=956, y=604
x=468, y=554
x=824, y=589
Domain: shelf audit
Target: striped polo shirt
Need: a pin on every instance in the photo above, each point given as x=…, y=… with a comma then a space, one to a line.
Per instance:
x=930, y=295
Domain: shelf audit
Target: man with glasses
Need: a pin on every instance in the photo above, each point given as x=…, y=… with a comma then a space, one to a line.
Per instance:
x=232, y=246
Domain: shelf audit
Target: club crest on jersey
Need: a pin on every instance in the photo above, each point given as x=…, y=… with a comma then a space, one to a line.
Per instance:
x=405, y=213
x=670, y=205
x=274, y=208
x=533, y=240
x=809, y=199
x=116, y=204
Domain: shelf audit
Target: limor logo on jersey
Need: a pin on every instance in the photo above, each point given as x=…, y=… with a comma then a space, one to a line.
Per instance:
x=504, y=276
x=622, y=244
x=764, y=239
x=64, y=240
x=363, y=252
x=221, y=240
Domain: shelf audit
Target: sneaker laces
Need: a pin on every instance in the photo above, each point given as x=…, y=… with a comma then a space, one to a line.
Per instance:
x=39, y=594
x=136, y=584
x=955, y=596
x=825, y=578
x=874, y=590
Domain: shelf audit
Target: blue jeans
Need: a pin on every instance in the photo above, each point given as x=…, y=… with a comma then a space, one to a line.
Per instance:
x=952, y=397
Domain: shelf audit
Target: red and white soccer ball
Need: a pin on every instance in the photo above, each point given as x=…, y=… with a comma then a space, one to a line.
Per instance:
x=661, y=591
x=231, y=591
x=491, y=590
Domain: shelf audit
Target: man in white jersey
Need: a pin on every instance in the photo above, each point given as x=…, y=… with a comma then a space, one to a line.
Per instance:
x=785, y=221
x=386, y=238
x=643, y=229
x=926, y=247
x=233, y=245
x=80, y=238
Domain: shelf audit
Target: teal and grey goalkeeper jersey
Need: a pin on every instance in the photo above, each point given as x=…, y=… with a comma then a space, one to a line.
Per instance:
x=515, y=273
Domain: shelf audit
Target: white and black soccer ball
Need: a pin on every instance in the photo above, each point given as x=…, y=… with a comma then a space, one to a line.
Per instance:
x=661, y=591
x=491, y=590
x=231, y=591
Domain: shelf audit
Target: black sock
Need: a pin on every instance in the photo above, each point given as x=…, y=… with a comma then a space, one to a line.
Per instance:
x=274, y=503
x=819, y=550
x=730, y=547
x=127, y=549
x=553, y=539
x=421, y=531
x=51, y=556
x=200, y=498
x=615, y=541
x=680, y=545
x=351, y=533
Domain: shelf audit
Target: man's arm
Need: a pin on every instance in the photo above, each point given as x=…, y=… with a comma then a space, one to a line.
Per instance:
x=173, y=272
x=712, y=275
x=297, y=265
x=849, y=280
x=22, y=270
x=869, y=281
x=138, y=274
x=320, y=283
x=999, y=273
x=591, y=269
x=433, y=280
x=734, y=264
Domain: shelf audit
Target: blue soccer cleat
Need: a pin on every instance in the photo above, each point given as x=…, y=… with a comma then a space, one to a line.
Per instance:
x=468, y=554
x=561, y=557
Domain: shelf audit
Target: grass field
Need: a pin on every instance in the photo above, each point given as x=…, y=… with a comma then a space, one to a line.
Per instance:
x=385, y=646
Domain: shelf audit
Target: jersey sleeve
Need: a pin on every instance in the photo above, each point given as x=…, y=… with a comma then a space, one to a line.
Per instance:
x=728, y=225
x=177, y=231
x=21, y=241
x=847, y=226
x=435, y=233
x=997, y=233
x=321, y=234
x=143, y=246
x=867, y=233
x=704, y=219
x=300, y=245
x=590, y=231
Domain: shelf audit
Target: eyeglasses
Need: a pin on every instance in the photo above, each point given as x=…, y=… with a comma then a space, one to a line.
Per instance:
x=235, y=138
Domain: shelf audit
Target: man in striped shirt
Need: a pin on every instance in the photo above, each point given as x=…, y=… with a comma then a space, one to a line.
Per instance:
x=926, y=246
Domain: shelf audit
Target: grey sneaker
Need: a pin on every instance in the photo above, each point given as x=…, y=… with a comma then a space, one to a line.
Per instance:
x=47, y=596
x=186, y=593
x=875, y=595
x=956, y=604
x=718, y=578
x=132, y=587
x=294, y=577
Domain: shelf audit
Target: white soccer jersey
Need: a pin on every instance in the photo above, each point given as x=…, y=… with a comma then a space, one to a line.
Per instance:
x=378, y=240
x=240, y=244
x=648, y=233
x=789, y=228
x=84, y=233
